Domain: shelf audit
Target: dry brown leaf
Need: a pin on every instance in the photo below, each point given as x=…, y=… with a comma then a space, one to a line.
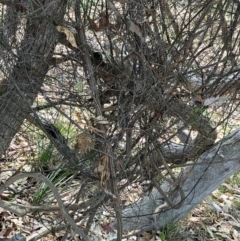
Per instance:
x=93, y=129
x=69, y=35
x=83, y=143
x=6, y=224
x=150, y=12
x=107, y=227
x=198, y=98
x=135, y=28
x=147, y=235
x=102, y=170
x=92, y=25
x=103, y=21
x=79, y=116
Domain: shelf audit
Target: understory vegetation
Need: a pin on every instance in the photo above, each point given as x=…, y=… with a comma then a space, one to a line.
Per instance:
x=119, y=120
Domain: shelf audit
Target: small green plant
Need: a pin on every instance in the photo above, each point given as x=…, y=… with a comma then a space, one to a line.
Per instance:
x=235, y=179
x=162, y=235
x=170, y=232
x=222, y=189
x=58, y=177
x=44, y=156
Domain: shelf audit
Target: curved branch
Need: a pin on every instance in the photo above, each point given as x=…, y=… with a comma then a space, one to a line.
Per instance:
x=55, y=193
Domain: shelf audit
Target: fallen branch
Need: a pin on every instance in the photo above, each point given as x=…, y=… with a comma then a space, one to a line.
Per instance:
x=198, y=181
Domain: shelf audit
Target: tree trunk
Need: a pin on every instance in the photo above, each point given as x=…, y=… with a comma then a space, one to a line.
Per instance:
x=197, y=182
x=27, y=76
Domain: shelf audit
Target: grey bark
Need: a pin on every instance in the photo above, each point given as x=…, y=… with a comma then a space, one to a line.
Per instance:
x=28, y=74
x=211, y=169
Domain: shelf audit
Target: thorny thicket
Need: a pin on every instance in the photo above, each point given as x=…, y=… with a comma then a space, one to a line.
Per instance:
x=132, y=90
